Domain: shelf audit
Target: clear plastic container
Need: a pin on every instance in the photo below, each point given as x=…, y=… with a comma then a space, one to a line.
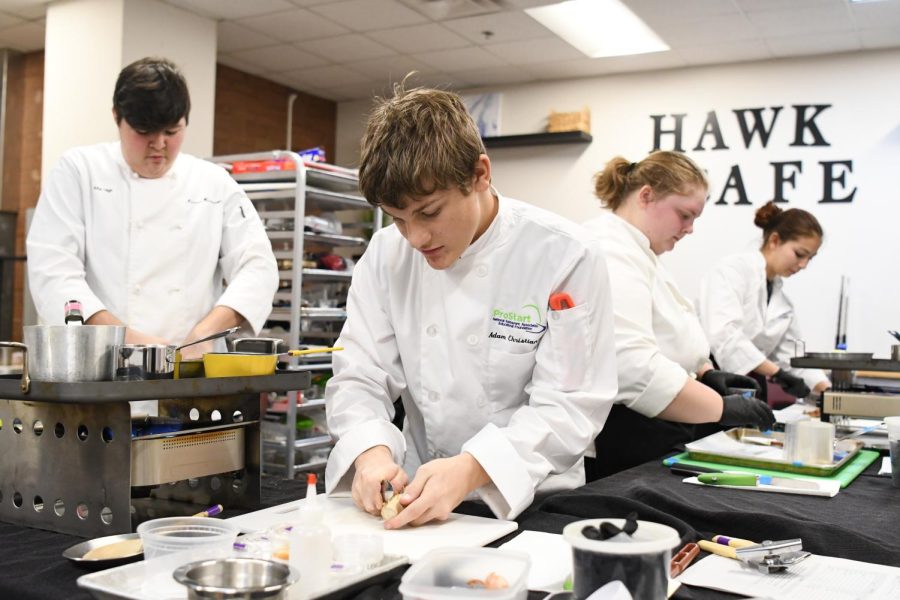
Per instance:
x=447, y=573
x=201, y=536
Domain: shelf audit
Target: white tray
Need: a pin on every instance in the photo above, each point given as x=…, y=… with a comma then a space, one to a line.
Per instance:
x=341, y=516
x=142, y=581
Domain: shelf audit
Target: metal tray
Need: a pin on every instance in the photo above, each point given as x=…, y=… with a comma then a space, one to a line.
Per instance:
x=847, y=448
x=141, y=581
x=847, y=356
x=76, y=553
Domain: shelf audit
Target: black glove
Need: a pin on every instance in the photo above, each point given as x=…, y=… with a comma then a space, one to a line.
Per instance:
x=723, y=381
x=738, y=411
x=791, y=384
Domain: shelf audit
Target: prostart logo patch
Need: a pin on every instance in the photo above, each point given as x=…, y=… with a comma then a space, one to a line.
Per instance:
x=527, y=319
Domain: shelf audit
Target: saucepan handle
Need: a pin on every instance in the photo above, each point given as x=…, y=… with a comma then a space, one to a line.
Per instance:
x=26, y=380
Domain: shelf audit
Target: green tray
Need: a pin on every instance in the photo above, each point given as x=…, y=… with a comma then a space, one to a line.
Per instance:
x=845, y=475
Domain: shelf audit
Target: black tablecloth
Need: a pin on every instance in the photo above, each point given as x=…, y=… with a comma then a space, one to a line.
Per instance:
x=860, y=523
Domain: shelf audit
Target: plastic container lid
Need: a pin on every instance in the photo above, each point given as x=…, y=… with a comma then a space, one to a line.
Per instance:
x=650, y=538
x=444, y=573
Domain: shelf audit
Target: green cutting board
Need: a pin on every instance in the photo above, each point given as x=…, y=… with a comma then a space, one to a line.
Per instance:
x=848, y=473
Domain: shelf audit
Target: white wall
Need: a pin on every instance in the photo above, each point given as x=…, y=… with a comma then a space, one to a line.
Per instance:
x=862, y=125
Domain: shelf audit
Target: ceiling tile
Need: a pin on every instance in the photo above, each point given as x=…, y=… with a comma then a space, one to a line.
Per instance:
x=503, y=27
x=494, y=76
x=797, y=22
x=548, y=49
x=234, y=37
x=419, y=38
x=723, y=52
x=880, y=38
x=568, y=69
x=462, y=59
x=707, y=31
x=656, y=11
x=283, y=57
x=232, y=9
x=644, y=62
x=308, y=3
x=25, y=37
x=9, y=20
x=346, y=48
x=876, y=14
x=764, y=5
x=241, y=65
x=390, y=68
x=369, y=15
x=294, y=25
x=25, y=9
x=814, y=44
x=328, y=76
x=359, y=91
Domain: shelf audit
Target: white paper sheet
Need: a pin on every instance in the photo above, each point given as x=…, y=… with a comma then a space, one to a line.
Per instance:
x=816, y=578
x=551, y=558
x=824, y=487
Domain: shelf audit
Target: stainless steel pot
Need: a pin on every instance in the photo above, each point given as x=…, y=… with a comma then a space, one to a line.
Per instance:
x=72, y=353
x=227, y=578
x=136, y=362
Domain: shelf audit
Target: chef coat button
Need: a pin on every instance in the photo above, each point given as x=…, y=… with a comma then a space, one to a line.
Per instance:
x=482, y=271
x=480, y=403
x=434, y=396
x=472, y=339
x=139, y=225
x=554, y=314
x=137, y=289
x=432, y=330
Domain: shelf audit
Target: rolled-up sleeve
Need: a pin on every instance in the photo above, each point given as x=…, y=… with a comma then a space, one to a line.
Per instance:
x=571, y=391
x=247, y=261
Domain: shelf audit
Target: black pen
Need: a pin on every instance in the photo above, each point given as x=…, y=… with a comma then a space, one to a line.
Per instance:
x=678, y=468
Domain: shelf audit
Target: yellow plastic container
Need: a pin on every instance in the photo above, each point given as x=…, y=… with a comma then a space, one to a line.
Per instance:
x=238, y=364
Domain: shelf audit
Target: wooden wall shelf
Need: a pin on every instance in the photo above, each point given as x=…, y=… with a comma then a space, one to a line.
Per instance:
x=538, y=139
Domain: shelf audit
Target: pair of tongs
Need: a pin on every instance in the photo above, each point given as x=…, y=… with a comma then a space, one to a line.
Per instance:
x=773, y=557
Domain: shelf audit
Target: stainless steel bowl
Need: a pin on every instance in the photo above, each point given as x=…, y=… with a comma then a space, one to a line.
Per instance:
x=227, y=578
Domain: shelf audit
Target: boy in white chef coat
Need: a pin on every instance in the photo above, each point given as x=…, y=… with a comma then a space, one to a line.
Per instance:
x=448, y=310
x=143, y=234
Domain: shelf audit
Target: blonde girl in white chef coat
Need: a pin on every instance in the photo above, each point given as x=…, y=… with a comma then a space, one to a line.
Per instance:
x=448, y=311
x=749, y=320
x=666, y=382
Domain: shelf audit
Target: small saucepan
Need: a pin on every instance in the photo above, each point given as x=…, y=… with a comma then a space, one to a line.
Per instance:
x=136, y=362
x=249, y=364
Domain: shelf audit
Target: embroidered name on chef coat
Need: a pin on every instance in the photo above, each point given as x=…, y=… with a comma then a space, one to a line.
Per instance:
x=523, y=326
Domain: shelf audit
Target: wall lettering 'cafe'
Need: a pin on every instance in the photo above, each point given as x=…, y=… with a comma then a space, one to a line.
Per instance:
x=752, y=123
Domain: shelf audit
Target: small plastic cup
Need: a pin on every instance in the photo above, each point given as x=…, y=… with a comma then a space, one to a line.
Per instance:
x=357, y=550
x=893, y=429
x=180, y=540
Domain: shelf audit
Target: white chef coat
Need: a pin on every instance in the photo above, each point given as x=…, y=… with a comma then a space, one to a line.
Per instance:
x=659, y=341
x=480, y=365
x=743, y=329
x=153, y=252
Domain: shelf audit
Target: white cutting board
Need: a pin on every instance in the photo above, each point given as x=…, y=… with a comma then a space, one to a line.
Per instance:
x=342, y=516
